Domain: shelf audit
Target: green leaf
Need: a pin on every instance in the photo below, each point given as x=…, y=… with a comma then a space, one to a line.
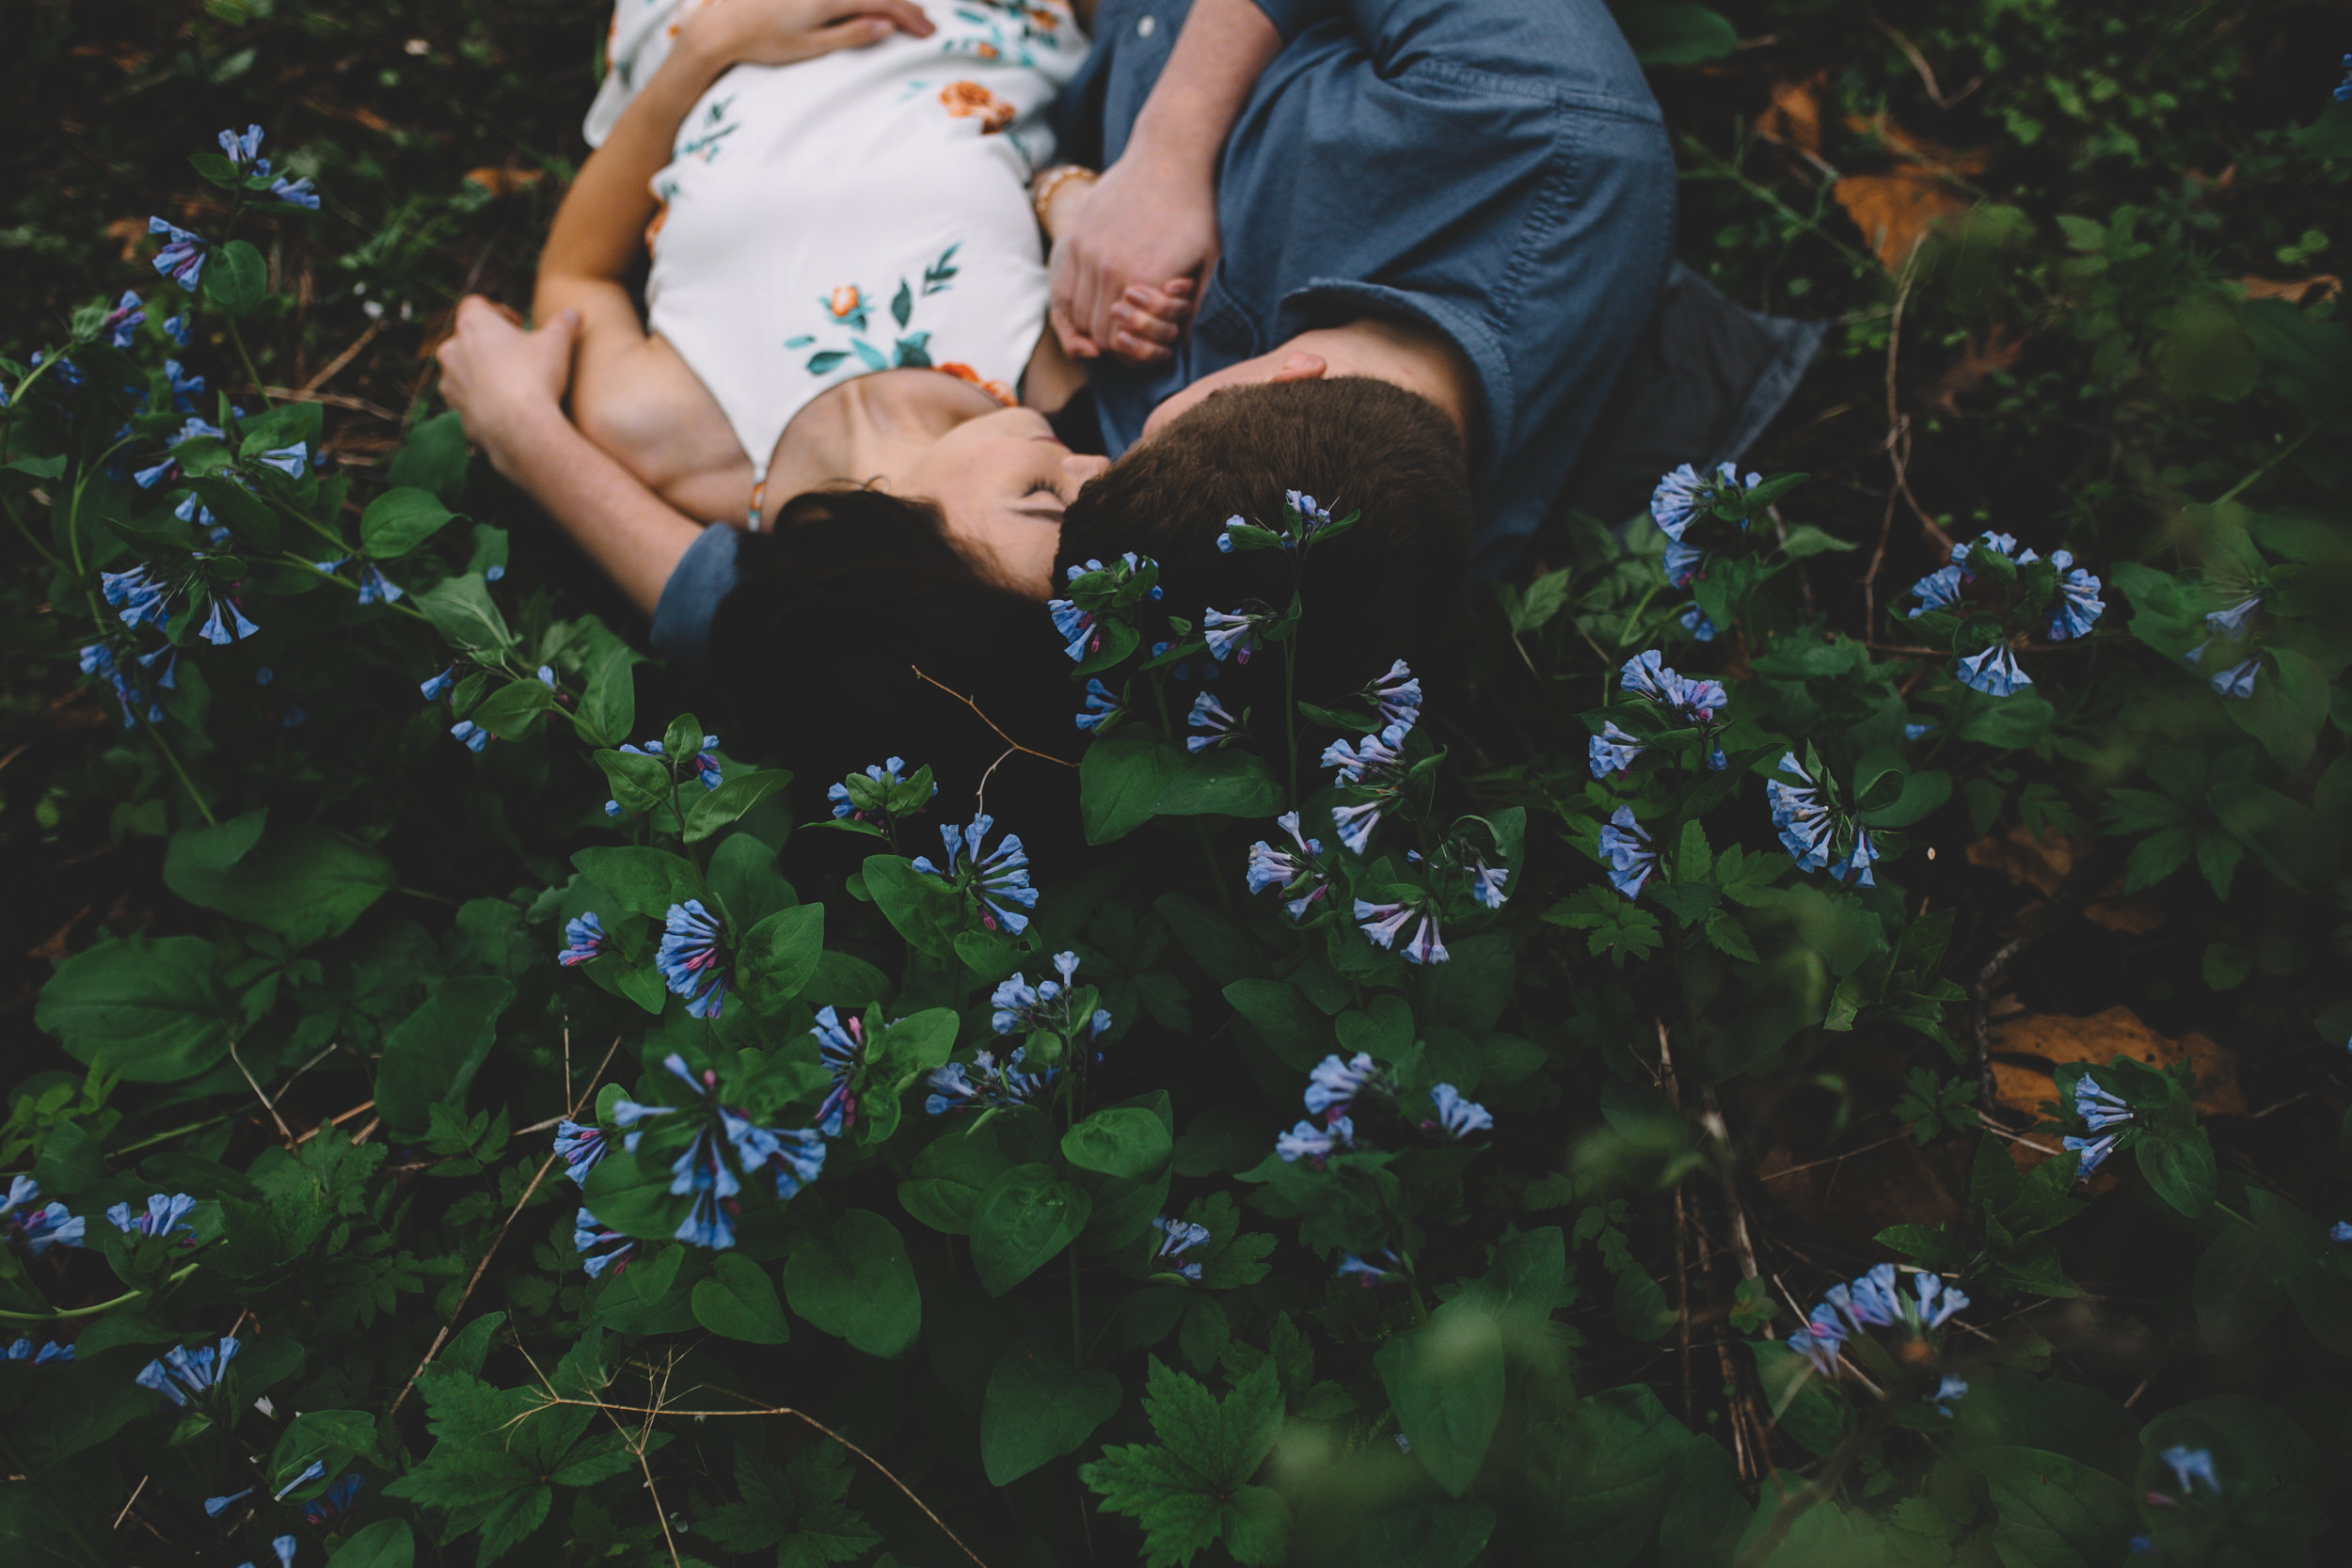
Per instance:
x=2296, y=845
x=2180, y=1166
x=777, y=956
x=1426, y=1535
x=1224, y=783
x=951, y=1175
x=645, y=1297
x=307, y=884
x=731, y=800
x=433, y=459
x=1640, y=1308
x=386, y=1544
x=607, y=706
x=739, y=1300
x=856, y=1284
x=1026, y=1216
x=434, y=1053
x=2008, y=722
x=1678, y=34
x=1128, y=1142
x=461, y=610
x=2054, y=1512
x=152, y=1006
x=1806, y=1406
x=798, y=1510
x=919, y=907
x=2287, y=707
x=1445, y=1382
x=236, y=278
x=1189, y=1490
x=1119, y=780
x=644, y=880
x=509, y=712
x=1039, y=1407
x=399, y=520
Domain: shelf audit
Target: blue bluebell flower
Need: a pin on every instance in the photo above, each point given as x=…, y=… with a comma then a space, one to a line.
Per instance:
x=584, y=938
x=1369, y=761
x=689, y=957
x=433, y=690
x=600, y=1246
x=1355, y=823
x=1217, y=726
x=179, y=1373
x=1626, y=847
x=220, y=631
x=1683, y=564
x=1937, y=1303
x=123, y=321
x=794, y=1156
x=1301, y=880
x=308, y=1473
x=2340, y=1233
x=67, y=370
x=167, y=1214
x=1457, y=1117
x=2079, y=606
x=983, y=1085
x=999, y=879
x=141, y=599
x=2238, y=679
x=2232, y=622
x=1079, y=633
x=1103, y=705
x=284, y=1547
x=1397, y=695
x=1334, y=1085
x=38, y=1228
x=190, y=510
x=1486, y=884
x=1945, y=1392
x=1230, y=634
x=1646, y=674
x=1313, y=519
x=2191, y=1466
x=289, y=461
x=1378, y=1269
x=2093, y=1152
x=2098, y=1107
x=241, y=150
x=1684, y=493
x=1822, y=1339
x=471, y=734
x=1612, y=751
x=1855, y=867
x=1938, y=590
x=181, y=258
x=1178, y=1237
x=841, y=1044
x=333, y=1504
x=98, y=659
x=2000, y=543
x=216, y=1507
x=375, y=588
x=1798, y=815
x=651, y=749
x=583, y=1147
x=1694, y=620
x=176, y=328
x=1383, y=922
x=1314, y=1144
x=294, y=193
x=1870, y=1301
x=2344, y=89
x=46, y=1354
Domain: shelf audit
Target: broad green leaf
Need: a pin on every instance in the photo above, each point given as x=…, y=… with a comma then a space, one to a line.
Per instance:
x=1127, y=1141
x=152, y=1006
x=1292, y=1028
x=778, y=956
x=1445, y=1382
x=1806, y=1406
x=1227, y=783
x=2180, y=1166
x=739, y=1300
x=1039, y=1407
x=1026, y=1216
x=856, y=1283
x=1426, y=1535
x=1190, y=1490
x=1120, y=779
x=511, y=710
x=386, y=1544
x=399, y=520
x=435, y=1053
x=725, y=804
x=919, y=907
x=461, y=610
x=433, y=459
x=608, y=706
x=307, y=883
x=2007, y=723
x=951, y=1175
x=645, y=880
x=646, y=1297
x=2054, y=1512
x=235, y=279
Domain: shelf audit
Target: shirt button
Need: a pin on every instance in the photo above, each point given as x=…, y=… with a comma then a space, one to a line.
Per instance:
x=1146, y=27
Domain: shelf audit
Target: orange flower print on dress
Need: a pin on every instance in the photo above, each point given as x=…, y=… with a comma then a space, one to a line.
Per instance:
x=996, y=390
x=971, y=100
x=653, y=229
x=844, y=302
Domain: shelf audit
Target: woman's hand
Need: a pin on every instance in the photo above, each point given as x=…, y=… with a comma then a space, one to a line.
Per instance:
x=502, y=379
x=782, y=32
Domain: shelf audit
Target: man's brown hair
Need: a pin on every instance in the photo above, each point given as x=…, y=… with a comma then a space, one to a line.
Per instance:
x=1384, y=590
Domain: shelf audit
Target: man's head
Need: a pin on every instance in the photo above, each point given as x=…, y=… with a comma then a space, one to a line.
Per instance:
x=1357, y=445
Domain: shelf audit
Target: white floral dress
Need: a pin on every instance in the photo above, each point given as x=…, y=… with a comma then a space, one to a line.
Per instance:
x=864, y=211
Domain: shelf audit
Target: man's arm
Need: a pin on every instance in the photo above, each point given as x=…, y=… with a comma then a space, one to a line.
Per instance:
x=1152, y=220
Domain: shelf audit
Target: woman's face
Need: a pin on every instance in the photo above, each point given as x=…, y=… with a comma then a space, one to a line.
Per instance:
x=1002, y=481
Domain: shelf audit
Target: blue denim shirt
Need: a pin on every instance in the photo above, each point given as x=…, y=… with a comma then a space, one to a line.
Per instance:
x=1496, y=169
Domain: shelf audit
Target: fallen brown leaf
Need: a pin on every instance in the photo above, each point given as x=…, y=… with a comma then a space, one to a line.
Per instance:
x=2053, y=1040
x=502, y=182
x=1793, y=118
x=2297, y=291
x=1895, y=209
x=1982, y=358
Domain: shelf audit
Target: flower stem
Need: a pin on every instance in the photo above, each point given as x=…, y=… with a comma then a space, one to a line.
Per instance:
x=172, y=757
x=58, y=1312
x=246, y=358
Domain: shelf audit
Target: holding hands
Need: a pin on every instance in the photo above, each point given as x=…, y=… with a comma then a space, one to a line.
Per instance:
x=1131, y=252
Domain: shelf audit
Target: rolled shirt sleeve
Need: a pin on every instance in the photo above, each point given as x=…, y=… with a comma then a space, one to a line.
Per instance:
x=704, y=574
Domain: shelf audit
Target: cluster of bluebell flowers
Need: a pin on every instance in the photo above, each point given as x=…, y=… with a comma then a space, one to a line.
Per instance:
x=1049, y=1007
x=1099, y=594
x=1305, y=524
x=690, y=957
x=1876, y=1300
x=981, y=1085
x=1337, y=1085
x=2102, y=1113
x=1178, y=1237
x=1299, y=877
x=1814, y=831
x=23, y=1349
x=1682, y=702
x=181, y=1372
x=878, y=798
x=1993, y=670
x=167, y=1215
x=996, y=881
x=38, y=1227
x=841, y=1045
x=792, y=1157
x=1627, y=850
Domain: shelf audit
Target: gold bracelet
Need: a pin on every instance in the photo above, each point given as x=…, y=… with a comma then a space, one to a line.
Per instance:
x=1041, y=194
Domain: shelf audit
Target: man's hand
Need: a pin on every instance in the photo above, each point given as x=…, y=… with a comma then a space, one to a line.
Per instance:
x=501, y=378
x=784, y=32
x=1129, y=264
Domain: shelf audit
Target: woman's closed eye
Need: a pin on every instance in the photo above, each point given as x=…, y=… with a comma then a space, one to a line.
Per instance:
x=1043, y=486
